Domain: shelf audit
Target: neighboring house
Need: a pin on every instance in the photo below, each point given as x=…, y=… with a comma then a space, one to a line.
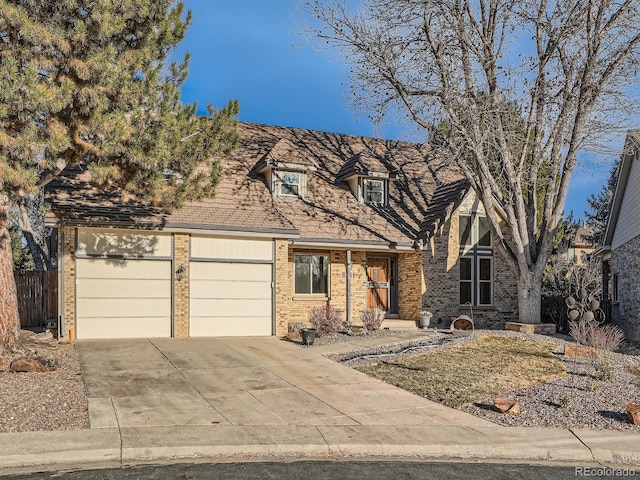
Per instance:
x=621, y=249
x=300, y=219
x=580, y=246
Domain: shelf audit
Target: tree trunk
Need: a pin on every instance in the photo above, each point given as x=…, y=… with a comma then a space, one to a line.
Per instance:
x=529, y=298
x=9, y=315
x=40, y=258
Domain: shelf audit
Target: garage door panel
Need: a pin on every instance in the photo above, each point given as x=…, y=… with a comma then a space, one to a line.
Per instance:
x=226, y=327
x=122, y=307
x=120, y=269
x=231, y=248
x=229, y=271
x=123, y=298
x=93, y=327
x=117, y=288
x=96, y=241
x=230, y=299
x=225, y=307
x=230, y=289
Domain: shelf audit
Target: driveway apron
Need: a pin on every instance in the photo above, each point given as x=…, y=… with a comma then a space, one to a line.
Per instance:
x=240, y=381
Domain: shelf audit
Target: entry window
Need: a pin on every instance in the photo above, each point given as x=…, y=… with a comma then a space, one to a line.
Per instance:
x=311, y=274
x=474, y=231
x=373, y=191
x=476, y=280
x=288, y=184
x=476, y=261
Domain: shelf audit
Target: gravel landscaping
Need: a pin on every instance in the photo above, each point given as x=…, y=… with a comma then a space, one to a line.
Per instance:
x=54, y=400
x=577, y=400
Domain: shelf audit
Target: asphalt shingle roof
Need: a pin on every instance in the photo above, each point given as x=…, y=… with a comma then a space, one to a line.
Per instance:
x=423, y=191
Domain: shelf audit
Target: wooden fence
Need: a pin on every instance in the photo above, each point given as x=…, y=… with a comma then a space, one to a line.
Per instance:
x=37, y=297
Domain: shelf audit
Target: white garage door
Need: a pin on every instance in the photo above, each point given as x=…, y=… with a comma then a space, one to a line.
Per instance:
x=121, y=297
x=230, y=287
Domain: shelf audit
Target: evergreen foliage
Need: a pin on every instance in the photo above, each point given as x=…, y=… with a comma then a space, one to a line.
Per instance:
x=600, y=205
x=22, y=259
x=89, y=82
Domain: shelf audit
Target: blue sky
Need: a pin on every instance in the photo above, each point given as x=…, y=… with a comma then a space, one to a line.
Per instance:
x=249, y=50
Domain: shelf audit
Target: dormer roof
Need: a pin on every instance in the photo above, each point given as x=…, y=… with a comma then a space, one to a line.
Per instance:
x=366, y=164
x=286, y=156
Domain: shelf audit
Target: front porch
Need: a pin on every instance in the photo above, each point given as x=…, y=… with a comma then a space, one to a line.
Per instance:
x=352, y=280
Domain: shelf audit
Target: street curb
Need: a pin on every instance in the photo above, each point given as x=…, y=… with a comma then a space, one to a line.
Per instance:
x=60, y=449
x=103, y=448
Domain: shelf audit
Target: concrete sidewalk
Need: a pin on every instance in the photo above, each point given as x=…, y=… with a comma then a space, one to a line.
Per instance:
x=245, y=398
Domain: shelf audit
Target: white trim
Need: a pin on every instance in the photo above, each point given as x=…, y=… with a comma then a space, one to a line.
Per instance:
x=230, y=260
x=200, y=231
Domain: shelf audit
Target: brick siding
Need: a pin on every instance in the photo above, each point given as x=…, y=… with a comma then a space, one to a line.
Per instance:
x=625, y=261
x=181, y=299
x=69, y=274
x=291, y=308
x=442, y=273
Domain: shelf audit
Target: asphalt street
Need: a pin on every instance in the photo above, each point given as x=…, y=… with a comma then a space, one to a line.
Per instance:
x=338, y=470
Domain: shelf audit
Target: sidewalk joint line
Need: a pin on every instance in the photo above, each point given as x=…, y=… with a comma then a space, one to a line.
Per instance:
x=267, y=406
x=322, y=435
x=588, y=447
x=115, y=413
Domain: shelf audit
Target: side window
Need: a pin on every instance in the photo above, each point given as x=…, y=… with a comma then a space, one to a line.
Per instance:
x=311, y=275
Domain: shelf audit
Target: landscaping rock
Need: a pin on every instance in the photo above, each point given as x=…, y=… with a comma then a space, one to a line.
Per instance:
x=580, y=351
x=540, y=328
x=294, y=336
x=633, y=413
x=504, y=405
x=25, y=364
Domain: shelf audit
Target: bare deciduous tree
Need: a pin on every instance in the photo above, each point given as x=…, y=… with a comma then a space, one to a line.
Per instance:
x=565, y=67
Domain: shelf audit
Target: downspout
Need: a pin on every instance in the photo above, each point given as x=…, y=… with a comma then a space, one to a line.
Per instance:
x=348, y=289
x=61, y=252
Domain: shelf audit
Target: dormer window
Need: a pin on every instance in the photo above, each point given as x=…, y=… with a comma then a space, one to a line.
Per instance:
x=368, y=176
x=285, y=170
x=373, y=191
x=287, y=183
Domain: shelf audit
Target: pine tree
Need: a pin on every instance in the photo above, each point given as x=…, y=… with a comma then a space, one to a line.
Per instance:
x=88, y=81
x=599, y=206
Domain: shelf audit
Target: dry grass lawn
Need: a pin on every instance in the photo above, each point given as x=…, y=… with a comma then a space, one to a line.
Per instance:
x=471, y=371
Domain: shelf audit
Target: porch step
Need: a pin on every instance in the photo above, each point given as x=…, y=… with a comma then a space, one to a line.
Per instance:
x=392, y=316
x=397, y=324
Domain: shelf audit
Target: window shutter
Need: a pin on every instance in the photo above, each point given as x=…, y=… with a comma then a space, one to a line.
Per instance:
x=275, y=182
x=303, y=185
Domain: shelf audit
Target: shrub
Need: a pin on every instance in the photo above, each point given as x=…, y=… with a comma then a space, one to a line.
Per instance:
x=372, y=319
x=326, y=319
x=603, y=339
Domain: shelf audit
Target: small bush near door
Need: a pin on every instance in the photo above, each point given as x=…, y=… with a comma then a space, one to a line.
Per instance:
x=326, y=319
x=372, y=319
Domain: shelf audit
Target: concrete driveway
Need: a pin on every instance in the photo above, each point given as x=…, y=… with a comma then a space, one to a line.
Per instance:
x=240, y=381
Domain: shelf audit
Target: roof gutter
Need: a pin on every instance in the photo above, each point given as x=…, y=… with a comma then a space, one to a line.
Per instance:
x=351, y=244
x=181, y=228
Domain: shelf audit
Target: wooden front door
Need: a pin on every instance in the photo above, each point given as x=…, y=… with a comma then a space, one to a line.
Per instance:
x=378, y=283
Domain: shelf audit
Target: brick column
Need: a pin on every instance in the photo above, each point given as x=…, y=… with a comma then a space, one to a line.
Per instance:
x=411, y=285
x=68, y=256
x=282, y=286
x=181, y=295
